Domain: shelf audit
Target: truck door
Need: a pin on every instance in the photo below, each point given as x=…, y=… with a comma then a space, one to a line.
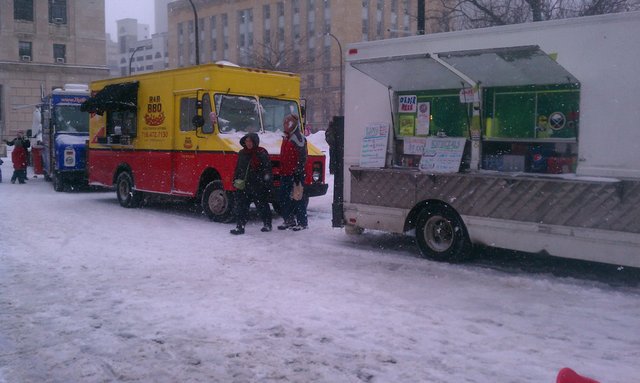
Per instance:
x=185, y=172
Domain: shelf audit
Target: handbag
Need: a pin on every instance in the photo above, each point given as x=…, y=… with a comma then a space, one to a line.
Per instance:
x=239, y=183
x=298, y=191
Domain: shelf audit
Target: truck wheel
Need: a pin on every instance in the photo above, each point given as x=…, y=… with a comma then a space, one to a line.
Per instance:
x=58, y=183
x=441, y=234
x=216, y=202
x=127, y=196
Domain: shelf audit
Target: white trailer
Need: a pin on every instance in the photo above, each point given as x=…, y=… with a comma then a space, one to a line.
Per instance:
x=547, y=114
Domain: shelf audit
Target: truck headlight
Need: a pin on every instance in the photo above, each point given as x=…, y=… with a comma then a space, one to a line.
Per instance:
x=316, y=175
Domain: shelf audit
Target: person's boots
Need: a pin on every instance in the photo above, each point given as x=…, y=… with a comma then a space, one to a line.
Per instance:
x=238, y=230
x=287, y=225
x=266, y=228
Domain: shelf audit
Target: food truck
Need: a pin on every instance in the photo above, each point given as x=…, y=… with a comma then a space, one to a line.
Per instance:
x=65, y=131
x=524, y=137
x=177, y=132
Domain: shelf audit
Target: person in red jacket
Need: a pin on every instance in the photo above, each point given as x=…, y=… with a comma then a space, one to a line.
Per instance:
x=19, y=158
x=293, y=157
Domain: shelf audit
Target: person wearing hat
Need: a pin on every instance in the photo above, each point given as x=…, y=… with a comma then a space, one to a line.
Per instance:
x=20, y=139
x=293, y=157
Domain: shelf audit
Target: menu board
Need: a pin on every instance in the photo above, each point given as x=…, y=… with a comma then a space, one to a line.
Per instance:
x=442, y=155
x=374, y=145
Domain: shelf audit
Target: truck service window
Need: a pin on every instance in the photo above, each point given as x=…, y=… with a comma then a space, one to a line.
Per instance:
x=122, y=123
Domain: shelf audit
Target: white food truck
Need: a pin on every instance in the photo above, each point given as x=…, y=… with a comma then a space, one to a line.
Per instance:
x=523, y=137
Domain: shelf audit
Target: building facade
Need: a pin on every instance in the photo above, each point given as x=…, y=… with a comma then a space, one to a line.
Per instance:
x=46, y=44
x=138, y=50
x=308, y=37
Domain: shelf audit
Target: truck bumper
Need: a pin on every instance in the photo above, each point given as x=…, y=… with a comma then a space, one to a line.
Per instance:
x=315, y=190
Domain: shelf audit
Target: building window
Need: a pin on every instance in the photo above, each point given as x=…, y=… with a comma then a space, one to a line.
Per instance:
x=23, y=10
x=58, y=11
x=225, y=36
x=365, y=20
x=266, y=12
x=214, y=38
x=245, y=35
x=24, y=50
x=379, y=19
x=59, y=53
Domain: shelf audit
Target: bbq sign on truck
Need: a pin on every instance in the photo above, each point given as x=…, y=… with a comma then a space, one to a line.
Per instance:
x=177, y=132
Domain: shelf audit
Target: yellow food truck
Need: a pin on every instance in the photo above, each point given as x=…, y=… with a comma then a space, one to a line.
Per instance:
x=177, y=132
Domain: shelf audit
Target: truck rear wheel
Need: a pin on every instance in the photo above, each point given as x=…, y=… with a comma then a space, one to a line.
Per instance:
x=127, y=196
x=217, y=203
x=441, y=234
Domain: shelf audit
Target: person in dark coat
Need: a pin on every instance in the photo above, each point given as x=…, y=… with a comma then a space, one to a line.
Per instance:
x=254, y=167
x=332, y=141
x=19, y=158
x=293, y=158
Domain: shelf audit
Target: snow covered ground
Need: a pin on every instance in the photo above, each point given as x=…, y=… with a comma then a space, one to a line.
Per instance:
x=92, y=292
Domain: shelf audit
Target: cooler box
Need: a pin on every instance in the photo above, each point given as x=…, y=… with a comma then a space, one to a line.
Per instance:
x=36, y=159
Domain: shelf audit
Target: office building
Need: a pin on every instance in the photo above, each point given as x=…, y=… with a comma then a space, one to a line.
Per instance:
x=308, y=37
x=46, y=44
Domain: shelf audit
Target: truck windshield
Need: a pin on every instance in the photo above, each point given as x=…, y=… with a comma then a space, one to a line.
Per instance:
x=240, y=113
x=274, y=111
x=69, y=119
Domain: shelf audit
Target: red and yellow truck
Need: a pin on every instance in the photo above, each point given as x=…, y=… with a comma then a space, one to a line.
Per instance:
x=177, y=132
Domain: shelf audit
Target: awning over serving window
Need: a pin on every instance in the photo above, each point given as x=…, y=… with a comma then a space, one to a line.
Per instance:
x=418, y=72
x=113, y=97
x=511, y=66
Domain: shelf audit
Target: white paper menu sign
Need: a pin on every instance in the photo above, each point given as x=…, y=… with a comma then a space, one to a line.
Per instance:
x=374, y=145
x=442, y=155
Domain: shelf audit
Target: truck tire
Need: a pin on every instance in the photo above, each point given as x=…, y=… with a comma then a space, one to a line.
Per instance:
x=127, y=196
x=58, y=183
x=441, y=234
x=217, y=203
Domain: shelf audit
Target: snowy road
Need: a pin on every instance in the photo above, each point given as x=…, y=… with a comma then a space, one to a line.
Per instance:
x=92, y=292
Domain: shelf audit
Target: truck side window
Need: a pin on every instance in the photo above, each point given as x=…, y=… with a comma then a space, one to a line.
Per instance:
x=206, y=110
x=187, y=111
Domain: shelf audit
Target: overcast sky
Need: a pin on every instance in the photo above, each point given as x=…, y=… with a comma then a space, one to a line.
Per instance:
x=122, y=9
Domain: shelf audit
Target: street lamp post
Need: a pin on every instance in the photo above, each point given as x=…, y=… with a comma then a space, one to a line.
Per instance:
x=341, y=80
x=197, y=36
x=131, y=58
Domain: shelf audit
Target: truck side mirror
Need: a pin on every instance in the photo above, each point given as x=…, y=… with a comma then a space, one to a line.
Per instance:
x=197, y=121
x=29, y=133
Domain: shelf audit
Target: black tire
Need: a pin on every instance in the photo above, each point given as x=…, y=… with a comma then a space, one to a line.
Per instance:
x=127, y=195
x=216, y=202
x=441, y=234
x=58, y=182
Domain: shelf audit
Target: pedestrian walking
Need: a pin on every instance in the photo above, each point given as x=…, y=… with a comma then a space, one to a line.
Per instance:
x=252, y=180
x=293, y=157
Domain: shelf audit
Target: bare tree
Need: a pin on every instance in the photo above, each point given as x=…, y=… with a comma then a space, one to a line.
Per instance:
x=468, y=14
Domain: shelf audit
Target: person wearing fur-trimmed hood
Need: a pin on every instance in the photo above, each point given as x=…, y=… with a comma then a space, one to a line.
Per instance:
x=254, y=168
x=293, y=158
